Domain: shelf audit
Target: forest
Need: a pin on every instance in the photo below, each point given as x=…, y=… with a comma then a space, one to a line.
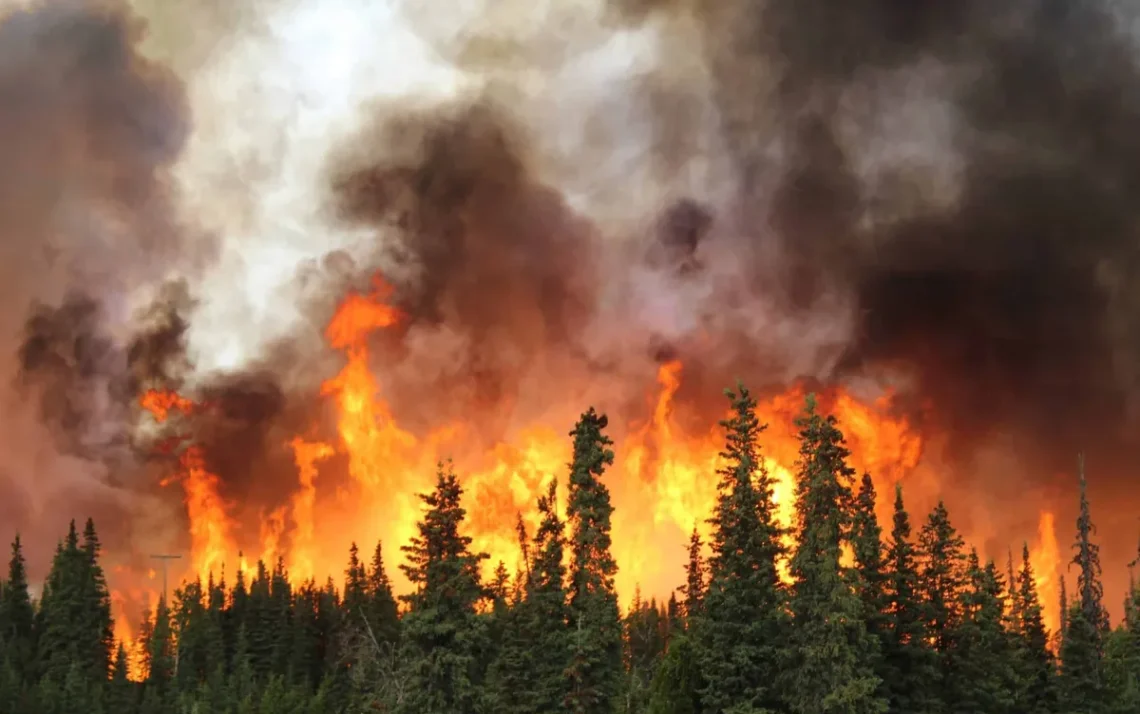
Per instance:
x=857, y=617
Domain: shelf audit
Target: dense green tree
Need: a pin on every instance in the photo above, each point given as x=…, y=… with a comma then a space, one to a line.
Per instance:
x=695, y=576
x=1082, y=684
x=677, y=684
x=980, y=659
x=97, y=634
x=594, y=672
x=832, y=668
x=546, y=607
x=872, y=580
x=17, y=617
x=733, y=639
x=444, y=636
x=646, y=635
x=1121, y=672
x=908, y=659
x=1033, y=659
x=942, y=580
x=743, y=624
x=382, y=609
x=122, y=693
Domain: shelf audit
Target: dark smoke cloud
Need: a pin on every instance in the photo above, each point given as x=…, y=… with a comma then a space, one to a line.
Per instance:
x=1011, y=300
x=492, y=266
x=89, y=129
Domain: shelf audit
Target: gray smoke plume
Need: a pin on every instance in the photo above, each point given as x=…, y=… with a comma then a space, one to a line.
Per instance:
x=933, y=196
x=88, y=132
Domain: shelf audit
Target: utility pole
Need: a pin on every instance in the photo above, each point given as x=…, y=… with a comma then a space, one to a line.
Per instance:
x=165, y=558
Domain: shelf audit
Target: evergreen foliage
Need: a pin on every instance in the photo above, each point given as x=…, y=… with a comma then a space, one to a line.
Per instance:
x=832, y=667
x=849, y=621
x=742, y=629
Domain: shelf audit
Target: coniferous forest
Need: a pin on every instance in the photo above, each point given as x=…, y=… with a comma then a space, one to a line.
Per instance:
x=870, y=617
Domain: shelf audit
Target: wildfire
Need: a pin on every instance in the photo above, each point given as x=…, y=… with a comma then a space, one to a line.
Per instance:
x=306, y=455
x=1045, y=557
x=161, y=402
x=663, y=481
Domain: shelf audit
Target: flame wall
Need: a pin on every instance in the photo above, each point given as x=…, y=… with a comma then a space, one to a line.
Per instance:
x=924, y=212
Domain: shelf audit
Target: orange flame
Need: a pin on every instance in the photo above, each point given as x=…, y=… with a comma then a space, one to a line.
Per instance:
x=1045, y=557
x=306, y=455
x=663, y=481
x=161, y=402
x=210, y=526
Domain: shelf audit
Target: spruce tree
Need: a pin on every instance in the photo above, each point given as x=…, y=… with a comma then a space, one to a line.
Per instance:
x=677, y=684
x=1082, y=651
x=870, y=563
x=546, y=609
x=17, y=617
x=61, y=611
x=741, y=632
x=511, y=673
x=644, y=647
x=443, y=633
x=382, y=610
x=909, y=661
x=595, y=623
x=97, y=636
x=980, y=676
x=832, y=654
x=1036, y=668
x=191, y=632
x=942, y=578
x=694, y=588
x=121, y=692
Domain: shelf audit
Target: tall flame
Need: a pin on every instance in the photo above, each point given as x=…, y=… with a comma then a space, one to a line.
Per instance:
x=663, y=481
x=1045, y=557
x=306, y=455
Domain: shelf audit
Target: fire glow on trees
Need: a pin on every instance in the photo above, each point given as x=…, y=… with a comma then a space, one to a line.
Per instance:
x=662, y=479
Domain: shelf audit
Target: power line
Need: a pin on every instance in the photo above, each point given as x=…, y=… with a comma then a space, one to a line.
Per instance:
x=165, y=558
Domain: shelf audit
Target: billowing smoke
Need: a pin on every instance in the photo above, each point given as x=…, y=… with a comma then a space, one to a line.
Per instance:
x=931, y=197
x=89, y=130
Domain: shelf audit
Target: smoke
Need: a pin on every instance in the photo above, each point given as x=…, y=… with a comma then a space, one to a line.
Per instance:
x=933, y=197
x=89, y=130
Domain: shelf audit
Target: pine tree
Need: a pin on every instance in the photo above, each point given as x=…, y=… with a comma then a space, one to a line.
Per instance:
x=1082, y=651
x=694, y=588
x=595, y=665
x=677, y=685
x=546, y=608
x=870, y=563
x=160, y=652
x=97, y=636
x=942, y=578
x=980, y=655
x=1036, y=693
x=17, y=617
x=907, y=658
x=510, y=674
x=833, y=656
x=61, y=610
x=382, y=610
x=644, y=648
x=743, y=625
x=355, y=585
x=444, y=635
x=1063, y=615
x=121, y=692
